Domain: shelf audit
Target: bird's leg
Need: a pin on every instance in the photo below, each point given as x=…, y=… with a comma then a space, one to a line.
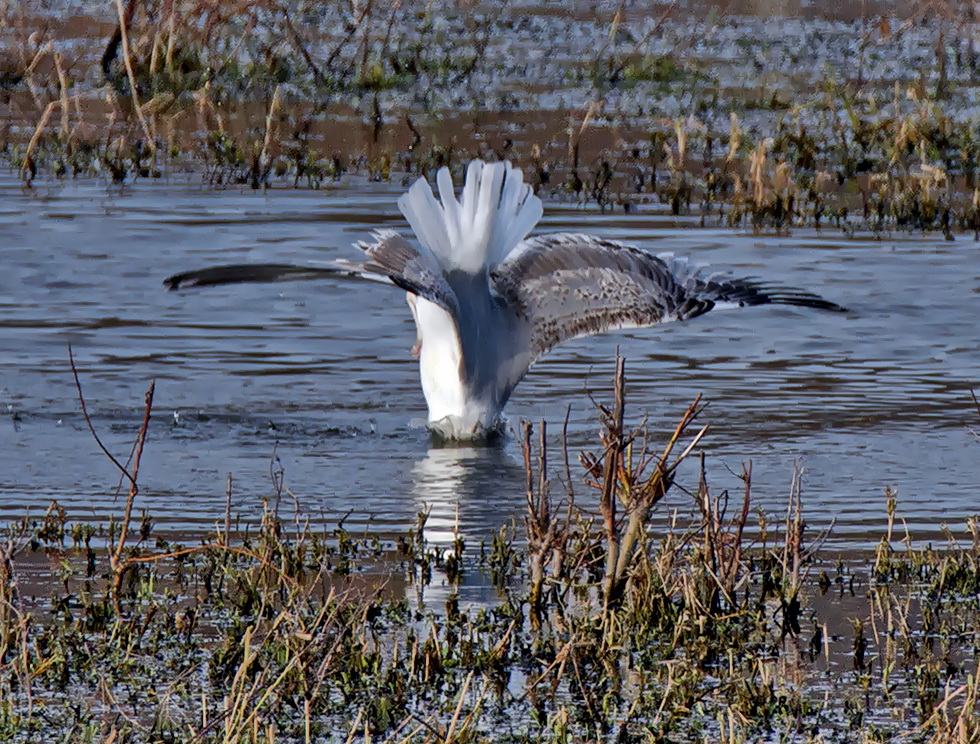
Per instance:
x=417, y=349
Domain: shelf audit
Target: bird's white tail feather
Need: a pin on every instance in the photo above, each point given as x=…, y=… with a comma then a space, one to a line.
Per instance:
x=495, y=212
x=424, y=215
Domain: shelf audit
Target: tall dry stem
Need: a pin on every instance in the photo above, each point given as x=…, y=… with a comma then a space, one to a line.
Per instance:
x=117, y=564
x=547, y=534
x=637, y=482
x=614, y=443
x=734, y=140
x=27, y=169
x=757, y=172
x=131, y=74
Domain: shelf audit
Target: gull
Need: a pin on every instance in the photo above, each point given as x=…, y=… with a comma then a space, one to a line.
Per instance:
x=489, y=301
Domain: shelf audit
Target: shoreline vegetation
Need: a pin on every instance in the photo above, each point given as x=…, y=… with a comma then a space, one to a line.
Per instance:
x=728, y=625
x=758, y=115
x=592, y=626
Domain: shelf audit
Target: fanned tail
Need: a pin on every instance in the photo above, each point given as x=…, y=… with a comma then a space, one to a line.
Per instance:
x=495, y=212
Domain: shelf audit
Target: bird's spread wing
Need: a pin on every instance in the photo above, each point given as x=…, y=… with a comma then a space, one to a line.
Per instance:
x=565, y=286
x=390, y=259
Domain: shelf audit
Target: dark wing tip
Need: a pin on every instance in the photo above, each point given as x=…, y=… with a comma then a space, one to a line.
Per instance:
x=749, y=291
x=174, y=282
x=801, y=298
x=211, y=276
x=832, y=307
x=243, y=273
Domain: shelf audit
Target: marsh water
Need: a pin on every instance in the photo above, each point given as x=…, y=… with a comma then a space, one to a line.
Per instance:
x=321, y=376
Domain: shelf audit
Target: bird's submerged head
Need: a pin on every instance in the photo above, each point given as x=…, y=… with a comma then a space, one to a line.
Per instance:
x=452, y=430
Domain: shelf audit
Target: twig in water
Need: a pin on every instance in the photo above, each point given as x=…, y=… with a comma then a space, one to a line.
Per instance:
x=134, y=489
x=117, y=564
x=91, y=428
x=615, y=445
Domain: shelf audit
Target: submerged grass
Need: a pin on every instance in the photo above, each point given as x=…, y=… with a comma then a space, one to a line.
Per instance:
x=720, y=625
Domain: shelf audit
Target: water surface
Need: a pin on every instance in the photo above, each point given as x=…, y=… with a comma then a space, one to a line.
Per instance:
x=321, y=375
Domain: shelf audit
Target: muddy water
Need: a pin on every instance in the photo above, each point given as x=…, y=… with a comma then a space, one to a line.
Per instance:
x=321, y=376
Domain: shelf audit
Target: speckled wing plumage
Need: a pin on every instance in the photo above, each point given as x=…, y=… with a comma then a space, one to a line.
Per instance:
x=566, y=285
x=412, y=268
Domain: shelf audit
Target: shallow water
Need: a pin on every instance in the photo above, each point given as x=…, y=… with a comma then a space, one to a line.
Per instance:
x=321, y=374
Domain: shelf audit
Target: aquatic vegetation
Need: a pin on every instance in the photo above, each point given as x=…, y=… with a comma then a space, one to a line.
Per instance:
x=634, y=600
x=266, y=94
x=608, y=620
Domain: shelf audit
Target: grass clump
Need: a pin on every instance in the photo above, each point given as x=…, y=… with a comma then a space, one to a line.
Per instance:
x=610, y=620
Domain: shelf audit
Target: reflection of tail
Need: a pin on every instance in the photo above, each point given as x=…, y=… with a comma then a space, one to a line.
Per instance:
x=468, y=493
x=438, y=485
x=494, y=213
x=472, y=491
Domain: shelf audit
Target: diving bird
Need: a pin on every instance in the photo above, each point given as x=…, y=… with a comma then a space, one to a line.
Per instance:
x=488, y=301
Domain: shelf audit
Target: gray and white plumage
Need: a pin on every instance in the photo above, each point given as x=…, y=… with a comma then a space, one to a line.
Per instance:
x=488, y=301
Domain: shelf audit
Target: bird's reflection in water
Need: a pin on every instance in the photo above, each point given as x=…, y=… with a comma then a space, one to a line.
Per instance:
x=469, y=492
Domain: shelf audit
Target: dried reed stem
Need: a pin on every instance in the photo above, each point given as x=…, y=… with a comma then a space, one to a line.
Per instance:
x=274, y=107
x=227, y=510
x=65, y=107
x=615, y=444
x=644, y=495
x=133, y=488
x=27, y=165
x=131, y=74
